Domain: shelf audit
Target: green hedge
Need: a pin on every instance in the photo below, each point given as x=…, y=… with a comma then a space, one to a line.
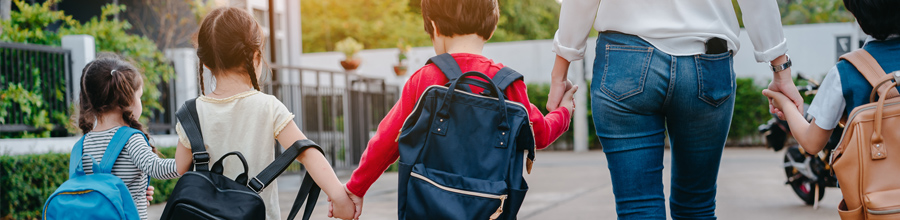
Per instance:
x=27, y=180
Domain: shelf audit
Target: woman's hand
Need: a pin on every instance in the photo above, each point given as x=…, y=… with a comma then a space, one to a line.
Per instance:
x=559, y=83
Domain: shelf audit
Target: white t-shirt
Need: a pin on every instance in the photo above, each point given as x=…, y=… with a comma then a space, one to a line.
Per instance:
x=247, y=122
x=828, y=106
x=677, y=27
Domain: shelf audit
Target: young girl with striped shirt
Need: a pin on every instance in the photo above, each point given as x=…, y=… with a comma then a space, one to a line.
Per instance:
x=110, y=99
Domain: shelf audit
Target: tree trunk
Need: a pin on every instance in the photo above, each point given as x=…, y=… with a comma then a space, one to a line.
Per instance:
x=5, y=8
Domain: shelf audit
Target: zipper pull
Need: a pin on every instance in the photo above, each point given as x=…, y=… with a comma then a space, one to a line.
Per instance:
x=499, y=209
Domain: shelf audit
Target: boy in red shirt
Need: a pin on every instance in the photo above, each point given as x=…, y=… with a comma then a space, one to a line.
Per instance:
x=462, y=33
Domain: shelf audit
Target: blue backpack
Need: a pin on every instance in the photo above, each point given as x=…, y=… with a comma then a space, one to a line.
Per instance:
x=462, y=154
x=100, y=195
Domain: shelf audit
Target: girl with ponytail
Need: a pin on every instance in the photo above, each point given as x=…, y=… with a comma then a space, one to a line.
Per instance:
x=110, y=99
x=236, y=116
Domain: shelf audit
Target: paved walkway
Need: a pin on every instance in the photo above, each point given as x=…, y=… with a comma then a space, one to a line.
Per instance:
x=567, y=185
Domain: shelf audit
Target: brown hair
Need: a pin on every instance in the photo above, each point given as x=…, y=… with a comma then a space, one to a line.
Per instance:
x=461, y=17
x=229, y=38
x=108, y=84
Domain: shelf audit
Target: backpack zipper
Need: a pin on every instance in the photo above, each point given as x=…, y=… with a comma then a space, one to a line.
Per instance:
x=502, y=198
x=883, y=212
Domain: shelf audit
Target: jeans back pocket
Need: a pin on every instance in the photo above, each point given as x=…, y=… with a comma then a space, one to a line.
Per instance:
x=625, y=70
x=715, y=77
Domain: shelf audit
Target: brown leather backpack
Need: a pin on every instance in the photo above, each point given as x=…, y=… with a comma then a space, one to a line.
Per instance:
x=867, y=161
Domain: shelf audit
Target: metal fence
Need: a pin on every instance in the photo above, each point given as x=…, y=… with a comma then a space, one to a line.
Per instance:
x=35, y=79
x=338, y=110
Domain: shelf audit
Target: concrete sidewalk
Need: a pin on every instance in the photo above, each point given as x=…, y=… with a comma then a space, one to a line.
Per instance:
x=567, y=185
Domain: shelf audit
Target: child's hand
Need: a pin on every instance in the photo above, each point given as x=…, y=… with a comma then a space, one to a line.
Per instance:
x=557, y=92
x=779, y=100
x=357, y=202
x=341, y=207
x=150, y=193
x=568, y=101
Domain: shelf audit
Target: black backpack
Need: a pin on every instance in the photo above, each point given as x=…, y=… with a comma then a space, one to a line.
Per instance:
x=205, y=193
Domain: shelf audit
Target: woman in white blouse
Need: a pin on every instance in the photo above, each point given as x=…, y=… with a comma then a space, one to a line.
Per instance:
x=666, y=66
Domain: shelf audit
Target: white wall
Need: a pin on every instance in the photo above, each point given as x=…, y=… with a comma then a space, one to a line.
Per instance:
x=812, y=48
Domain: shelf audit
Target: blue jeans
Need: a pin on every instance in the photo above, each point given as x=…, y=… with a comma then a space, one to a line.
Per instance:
x=638, y=93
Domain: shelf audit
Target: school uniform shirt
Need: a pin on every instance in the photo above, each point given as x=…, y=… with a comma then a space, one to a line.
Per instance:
x=382, y=149
x=677, y=27
x=135, y=163
x=829, y=104
x=247, y=122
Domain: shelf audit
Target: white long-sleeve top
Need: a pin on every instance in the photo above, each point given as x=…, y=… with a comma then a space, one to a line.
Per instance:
x=677, y=27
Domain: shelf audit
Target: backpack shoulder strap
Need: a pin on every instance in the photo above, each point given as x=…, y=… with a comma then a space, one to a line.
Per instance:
x=447, y=64
x=190, y=122
x=870, y=69
x=309, y=190
x=116, y=144
x=505, y=77
x=75, y=160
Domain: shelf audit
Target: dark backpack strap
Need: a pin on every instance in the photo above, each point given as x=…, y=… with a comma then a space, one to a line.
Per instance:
x=308, y=189
x=190, y=122
x=75, y=158
x=116, y=144
x=447, y=65
x=505, y=77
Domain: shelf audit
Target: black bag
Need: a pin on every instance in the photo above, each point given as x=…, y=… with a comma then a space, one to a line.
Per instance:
x=207, y=194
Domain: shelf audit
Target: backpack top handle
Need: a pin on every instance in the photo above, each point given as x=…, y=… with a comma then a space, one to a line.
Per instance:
x=443, y=113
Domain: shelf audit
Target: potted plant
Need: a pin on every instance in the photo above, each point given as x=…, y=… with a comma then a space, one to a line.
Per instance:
x=349, y=47
x=400, y=68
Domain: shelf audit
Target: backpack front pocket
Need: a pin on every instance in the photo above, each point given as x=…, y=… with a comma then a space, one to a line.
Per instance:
x=883, y=205
x=460, y=197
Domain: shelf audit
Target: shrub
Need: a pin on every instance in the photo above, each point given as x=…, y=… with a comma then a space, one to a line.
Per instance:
x=27, y=181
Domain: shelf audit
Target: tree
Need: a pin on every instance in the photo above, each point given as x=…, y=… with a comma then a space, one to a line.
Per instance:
x=375, y=23
x=381, y=23
x=169, y=23
x=814, y=11
x=30, y=25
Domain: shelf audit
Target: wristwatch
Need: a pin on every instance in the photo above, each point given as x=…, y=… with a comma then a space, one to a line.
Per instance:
x=787, y=64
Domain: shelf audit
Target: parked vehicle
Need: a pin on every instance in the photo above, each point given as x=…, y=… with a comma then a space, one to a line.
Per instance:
x=807, y=174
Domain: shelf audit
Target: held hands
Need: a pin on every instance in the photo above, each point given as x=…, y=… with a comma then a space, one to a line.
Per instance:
x=355, y=205
x=780, y=101
x=560, y=92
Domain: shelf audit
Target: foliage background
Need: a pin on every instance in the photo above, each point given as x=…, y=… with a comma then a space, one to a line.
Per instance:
x=27, y=181
x=32, y=24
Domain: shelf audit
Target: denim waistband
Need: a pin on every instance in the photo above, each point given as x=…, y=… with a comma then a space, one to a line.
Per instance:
x=619, y=38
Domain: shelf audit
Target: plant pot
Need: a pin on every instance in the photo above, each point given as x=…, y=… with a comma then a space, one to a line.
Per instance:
x=351, y=64
x=400, y=70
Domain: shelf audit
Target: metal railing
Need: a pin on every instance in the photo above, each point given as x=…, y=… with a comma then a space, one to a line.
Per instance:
x=338, y=110
x=40, y=71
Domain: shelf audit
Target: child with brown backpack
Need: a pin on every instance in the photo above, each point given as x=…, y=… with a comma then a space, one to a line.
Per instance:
x=861, y=89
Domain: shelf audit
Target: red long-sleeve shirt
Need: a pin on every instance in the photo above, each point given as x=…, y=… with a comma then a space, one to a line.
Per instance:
x=382, y=150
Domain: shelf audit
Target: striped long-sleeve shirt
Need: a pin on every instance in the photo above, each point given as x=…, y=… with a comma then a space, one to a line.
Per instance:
x=136, y=162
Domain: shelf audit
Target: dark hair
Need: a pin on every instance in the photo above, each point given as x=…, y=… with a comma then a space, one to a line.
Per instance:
x=108, y=84
x=879, y=18
x=229, y=38
x=461, y=17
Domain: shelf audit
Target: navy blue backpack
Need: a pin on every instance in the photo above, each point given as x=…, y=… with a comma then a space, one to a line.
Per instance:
x=462, y=154
x=100, y=195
